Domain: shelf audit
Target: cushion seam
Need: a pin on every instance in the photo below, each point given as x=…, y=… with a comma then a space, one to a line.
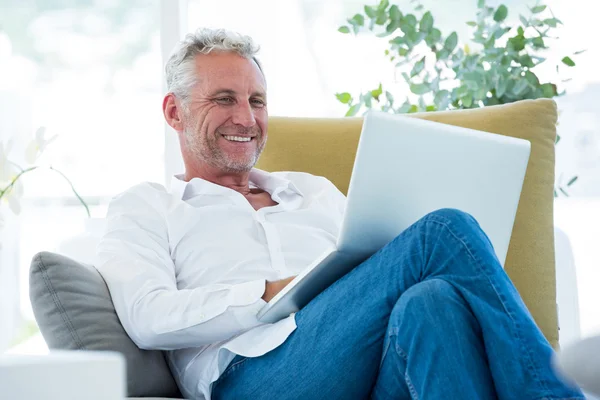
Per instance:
x=64, y=315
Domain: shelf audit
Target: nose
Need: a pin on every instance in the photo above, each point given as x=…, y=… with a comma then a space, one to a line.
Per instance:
x=244, y=115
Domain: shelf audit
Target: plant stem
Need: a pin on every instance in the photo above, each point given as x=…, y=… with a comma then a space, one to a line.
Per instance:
x=15, y=179
x=83, y=203
x=24, y=171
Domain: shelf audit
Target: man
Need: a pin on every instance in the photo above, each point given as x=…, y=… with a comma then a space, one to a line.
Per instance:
x=432, y=315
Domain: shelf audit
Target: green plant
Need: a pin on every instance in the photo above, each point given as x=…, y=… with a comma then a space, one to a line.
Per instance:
x=497, y=66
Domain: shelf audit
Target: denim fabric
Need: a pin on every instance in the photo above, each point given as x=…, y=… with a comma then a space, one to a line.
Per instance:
x=432, y=315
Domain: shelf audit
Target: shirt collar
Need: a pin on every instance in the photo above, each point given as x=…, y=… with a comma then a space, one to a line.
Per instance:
x=270, y=182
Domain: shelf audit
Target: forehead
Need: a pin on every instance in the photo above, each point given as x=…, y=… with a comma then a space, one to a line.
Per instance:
x=228, y=70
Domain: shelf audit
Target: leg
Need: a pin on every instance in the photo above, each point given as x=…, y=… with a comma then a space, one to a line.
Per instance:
x=433, y=348
x=336, y=350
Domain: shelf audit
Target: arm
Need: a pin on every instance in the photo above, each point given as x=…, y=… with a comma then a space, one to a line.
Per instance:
x=135, y=261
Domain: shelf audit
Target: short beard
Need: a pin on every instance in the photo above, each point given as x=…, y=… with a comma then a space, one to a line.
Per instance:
x=205, y=149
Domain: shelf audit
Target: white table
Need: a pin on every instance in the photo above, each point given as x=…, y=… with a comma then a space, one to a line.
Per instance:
x=63, y=375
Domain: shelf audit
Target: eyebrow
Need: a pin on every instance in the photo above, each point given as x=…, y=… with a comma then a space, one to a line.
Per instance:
x=234, y=93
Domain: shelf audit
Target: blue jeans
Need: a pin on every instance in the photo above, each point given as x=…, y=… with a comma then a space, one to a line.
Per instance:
x=432, y=315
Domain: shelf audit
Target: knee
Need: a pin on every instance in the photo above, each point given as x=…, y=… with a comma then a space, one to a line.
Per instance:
x=452, y=216
x=429, y=299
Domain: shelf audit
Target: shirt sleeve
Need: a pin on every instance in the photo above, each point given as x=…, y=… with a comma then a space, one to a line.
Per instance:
x=134, y=259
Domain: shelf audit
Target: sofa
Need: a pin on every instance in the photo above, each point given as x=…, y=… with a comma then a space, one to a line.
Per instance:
x=72, y=304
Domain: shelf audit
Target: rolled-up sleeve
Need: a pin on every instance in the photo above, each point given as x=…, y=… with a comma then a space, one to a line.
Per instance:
x=134, y=259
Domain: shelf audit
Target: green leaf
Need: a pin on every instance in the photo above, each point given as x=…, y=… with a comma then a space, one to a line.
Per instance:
x=413, y=109
x=381, y=19
x=389, y=97
x=391, y=27
x=501, y=13
x=520, y=31
x=414, y=38
x=501, y=85
x=499, y=32
x=538, y=42
x=366, y=98
x=532, y=79
x=353, y=110
x=370, y=11
x=442, y=54
x=397, y=40
x=344, y=97
x=395, y=14
x=411, y=20
x=442, y=99
x=358, y=20
x=377, y=92
x=451, y=42
x=418, y=67
x=548, y=90
x=344, y=29
x=526, y=61
x=572, y=181
x=419, y=88
x=552, y=22
x=520, y=87
x=579, y=52
x=538, y=9
x=472, y=23
x=480, y=3
x=568, y=61
x=404, y=108
x=517, y=43
x=426, y=22
x=524, y=21
x=467, y=101
x=383, y=4
x=433, y=37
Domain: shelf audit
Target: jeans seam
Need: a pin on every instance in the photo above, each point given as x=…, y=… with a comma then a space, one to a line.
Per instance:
x=407, y=380
x=446, y=224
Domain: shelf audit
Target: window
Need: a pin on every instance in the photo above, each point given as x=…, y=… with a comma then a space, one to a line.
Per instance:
x=90, y=72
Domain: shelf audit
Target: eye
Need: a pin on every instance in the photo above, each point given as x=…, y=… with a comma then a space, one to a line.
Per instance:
x=225, y=100
x=258, y=102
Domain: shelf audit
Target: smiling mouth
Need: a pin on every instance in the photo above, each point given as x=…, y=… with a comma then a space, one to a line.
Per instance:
x=238, y=138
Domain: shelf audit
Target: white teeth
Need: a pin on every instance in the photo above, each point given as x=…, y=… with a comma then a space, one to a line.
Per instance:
x=237, y=138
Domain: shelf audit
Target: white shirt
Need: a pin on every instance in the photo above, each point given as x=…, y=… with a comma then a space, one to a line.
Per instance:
x=187, y=268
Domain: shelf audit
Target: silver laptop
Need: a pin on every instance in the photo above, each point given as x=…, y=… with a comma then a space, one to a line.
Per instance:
x=404, y=169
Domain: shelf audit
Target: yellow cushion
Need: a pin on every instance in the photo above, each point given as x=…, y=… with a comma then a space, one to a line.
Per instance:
x=327, y=147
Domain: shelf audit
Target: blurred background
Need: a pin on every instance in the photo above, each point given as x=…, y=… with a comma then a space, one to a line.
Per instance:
x=90, y=72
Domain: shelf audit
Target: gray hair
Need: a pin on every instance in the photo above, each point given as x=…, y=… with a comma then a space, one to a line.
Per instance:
x=179, y=69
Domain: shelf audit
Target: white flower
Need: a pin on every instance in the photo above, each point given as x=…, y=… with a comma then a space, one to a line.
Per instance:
x=13, y=197
x=6, y=168
x=37, y=145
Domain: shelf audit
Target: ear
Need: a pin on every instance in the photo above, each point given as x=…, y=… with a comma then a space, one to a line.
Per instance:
x=173, y=112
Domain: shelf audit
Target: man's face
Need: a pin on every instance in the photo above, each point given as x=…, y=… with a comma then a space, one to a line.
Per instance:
x=225, y=120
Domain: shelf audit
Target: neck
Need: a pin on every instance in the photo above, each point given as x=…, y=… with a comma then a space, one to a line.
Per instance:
x=238, y=181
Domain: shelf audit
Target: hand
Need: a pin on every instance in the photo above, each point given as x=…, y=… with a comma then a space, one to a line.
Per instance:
x=272, y=288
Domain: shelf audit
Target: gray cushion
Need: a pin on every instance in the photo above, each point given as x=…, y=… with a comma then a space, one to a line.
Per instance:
x=74, y=311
